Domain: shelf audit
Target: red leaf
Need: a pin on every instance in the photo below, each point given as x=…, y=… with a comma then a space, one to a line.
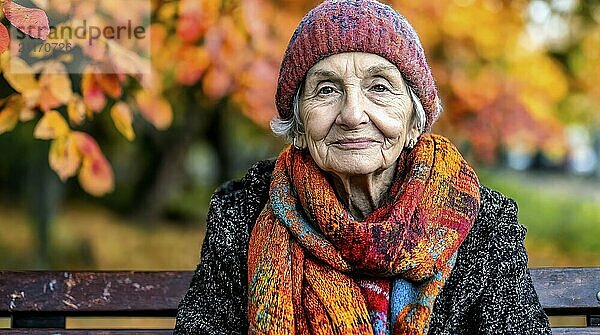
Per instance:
x=31, y=21
x=96, y=175
x=4, y=38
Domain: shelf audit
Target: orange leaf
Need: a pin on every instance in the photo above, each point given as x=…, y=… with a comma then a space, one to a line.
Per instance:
x=9, y=116
x=48, y=101
x=76, y=109
x=64, y=157
x=31, y=21
x=189, y=28
x=96, y=175
x=121, y=115
x=109, y=83
x=52, y=125
x=191, y=63
x=4, y=38
x=216, y=83
x=93, y=96
x=55, y=86
x=155, y=109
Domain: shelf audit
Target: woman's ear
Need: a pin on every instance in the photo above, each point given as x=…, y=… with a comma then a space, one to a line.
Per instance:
x=413, y=133
x=300, y=141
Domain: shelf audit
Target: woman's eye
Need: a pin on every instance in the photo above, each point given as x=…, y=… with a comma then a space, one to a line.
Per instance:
x=379, y=88
x=326, y=90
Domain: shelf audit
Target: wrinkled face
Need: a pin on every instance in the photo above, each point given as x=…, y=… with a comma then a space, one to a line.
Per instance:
x=357, y=114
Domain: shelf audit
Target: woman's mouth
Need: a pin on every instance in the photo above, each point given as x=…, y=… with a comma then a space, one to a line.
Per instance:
x=354, y=143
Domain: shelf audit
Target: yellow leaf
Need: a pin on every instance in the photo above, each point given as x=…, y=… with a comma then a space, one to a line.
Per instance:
x=26, y=114
x=4, y=58
x=64, y=157
x=121, y=115
x=19, y=75
x=9, y=116
x=52, y=125
x=76, y=109
x=57, y=81
x=155, y=109
x=55, y=86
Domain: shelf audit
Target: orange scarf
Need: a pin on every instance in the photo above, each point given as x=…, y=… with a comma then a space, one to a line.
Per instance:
x=313, y=269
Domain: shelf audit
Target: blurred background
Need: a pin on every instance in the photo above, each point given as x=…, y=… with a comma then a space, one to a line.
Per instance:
x=115, y=172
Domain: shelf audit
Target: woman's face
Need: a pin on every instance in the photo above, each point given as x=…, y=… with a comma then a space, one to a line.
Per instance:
x=357, y=114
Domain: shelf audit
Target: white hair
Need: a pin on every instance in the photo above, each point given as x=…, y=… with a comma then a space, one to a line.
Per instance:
x=292, y=126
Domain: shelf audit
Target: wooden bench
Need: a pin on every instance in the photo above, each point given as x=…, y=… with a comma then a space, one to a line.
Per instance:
x=40, y=302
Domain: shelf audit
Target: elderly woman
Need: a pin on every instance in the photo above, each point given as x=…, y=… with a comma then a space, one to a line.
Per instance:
x=368, y=223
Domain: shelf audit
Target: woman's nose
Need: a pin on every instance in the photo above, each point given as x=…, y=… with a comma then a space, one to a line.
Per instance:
x=352, y=113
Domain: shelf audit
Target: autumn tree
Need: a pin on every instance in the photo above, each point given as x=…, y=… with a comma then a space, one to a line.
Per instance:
x=210, y=59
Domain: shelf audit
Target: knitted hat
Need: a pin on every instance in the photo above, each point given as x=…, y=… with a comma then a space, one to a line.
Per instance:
x=338, y=26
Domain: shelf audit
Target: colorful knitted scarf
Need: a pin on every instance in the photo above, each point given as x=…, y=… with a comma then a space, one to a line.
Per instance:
x=314, y=269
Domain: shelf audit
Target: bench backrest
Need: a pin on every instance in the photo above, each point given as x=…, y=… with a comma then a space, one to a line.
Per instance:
x=37, y=300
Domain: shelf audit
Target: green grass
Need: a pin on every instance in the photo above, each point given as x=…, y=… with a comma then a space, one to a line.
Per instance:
x=562, y=214
x=84, y=236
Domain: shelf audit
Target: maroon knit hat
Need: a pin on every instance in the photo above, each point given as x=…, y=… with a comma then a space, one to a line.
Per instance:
x=338, y=26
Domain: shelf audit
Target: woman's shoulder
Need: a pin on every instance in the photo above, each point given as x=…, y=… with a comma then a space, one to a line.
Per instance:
x=496, y=235
x=240, y=201
x=256, y=180
x=498, y=214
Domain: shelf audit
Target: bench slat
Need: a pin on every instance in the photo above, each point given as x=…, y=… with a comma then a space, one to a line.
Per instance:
x=580, y=331
x=561, y=291
x=84, y=332
x=149, y=293
x=568, y=290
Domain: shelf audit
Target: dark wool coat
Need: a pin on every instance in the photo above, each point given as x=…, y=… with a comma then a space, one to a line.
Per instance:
x=488, y=292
